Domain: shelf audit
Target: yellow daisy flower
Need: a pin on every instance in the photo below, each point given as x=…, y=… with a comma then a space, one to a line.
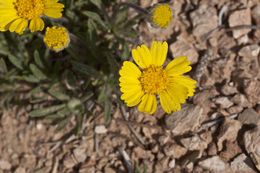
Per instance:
x=56, y=38
x=15, y=14
x=154, y=80
x=162, y=15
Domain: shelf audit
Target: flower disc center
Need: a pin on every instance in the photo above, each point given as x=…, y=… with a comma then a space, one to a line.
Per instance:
x=29, y=9
x=154, y=80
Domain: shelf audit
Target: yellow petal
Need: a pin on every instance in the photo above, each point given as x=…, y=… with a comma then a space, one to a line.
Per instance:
x=129, y=69
x=132, y=97
x=53, y=9
x=142, y=56
x=178, y=92
x=18, y=25
x=169, y=103
x=186, y=82
x=159, y=52
x=148, y=104
x=36, y=24
x=178, y=66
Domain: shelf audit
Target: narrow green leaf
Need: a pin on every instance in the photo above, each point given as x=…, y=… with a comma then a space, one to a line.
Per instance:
x=79, y=119
x=101, y=95
x=3, y=67
x=31, y=78
x=125, y=51
x=107, y=111
x=37, y=72
x=97, y=3
x=137, y=168
x=145, y=169
x=45, y=111
x=37, y=100
x=85, y=69
x=36, y=90
x=57, y=93
x=16, y=61
x=121, y=16
x=70, y=80
x=60, y=114
x=95, y=17
x=37, y=59
x=87, y=96
x=63, y=123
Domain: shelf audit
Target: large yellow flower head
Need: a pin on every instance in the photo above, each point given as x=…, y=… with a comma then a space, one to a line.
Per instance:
x=16, y=14
x=56, y=38
x=154, y=80
x=162, y=15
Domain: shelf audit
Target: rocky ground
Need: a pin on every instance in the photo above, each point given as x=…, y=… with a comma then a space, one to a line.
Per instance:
x=218, y=130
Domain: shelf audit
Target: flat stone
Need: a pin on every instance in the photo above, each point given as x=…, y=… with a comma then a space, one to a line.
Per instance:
x=228, y=90
x=183, y=48
x=252, y=91
x=224, y=102
x=242, y=163
x=228, y=131
x=194, y=143
x=5, y=165
x=249, y=51
x=187, y=119
x=100, y=129
x=80, y=154
x=171, y=163
x=252, y=145
x=241, y=100
x=204, y=19
x=20, y=170
x=231, y=150
x=249, y=116
x=240, y=17
x=174, y=150
x=256, y=14
x=213, y=163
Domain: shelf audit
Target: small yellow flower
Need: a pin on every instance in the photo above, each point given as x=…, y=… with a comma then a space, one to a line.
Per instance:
x=16, y=14
x=56, y=38
x=154, y=80
x=162, y=15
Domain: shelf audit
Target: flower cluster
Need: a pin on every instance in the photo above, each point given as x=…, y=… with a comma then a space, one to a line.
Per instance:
x=162, y=15
x=56, y=38
x=16, y=15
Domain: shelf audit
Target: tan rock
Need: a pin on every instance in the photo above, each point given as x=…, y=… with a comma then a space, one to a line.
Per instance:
x=252, y=145
x=212, y=149
x=231, y=150
x=214, y=164
x=249, y=116
x=80, y=154
x=187, y=119
x=241, y=100
x=235, y=109
x=228, y=131
x=227, y=89
x=20, y=170
x=174, y=150
x=256, y=14
x=224, y=102
x=249, y=51
x=242, y=163
x=204, y=19
x=240, y=17
x=194, y=143
x=5, y=165
x=252, y=91
x=183, y=48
